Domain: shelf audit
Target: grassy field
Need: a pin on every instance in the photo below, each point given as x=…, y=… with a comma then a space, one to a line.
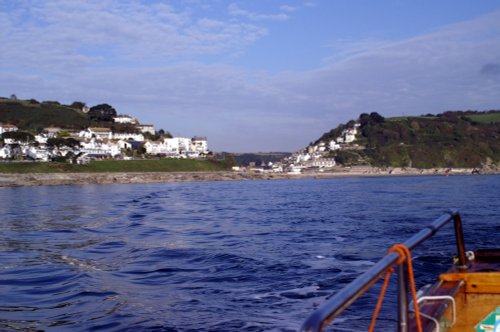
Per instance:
x=485, y=118
x=162, y=165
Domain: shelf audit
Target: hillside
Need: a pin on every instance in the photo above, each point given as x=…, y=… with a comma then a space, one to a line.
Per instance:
x=450, y=139
x=33, y=116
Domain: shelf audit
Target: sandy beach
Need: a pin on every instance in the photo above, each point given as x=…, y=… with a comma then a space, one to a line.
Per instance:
x=43, y=179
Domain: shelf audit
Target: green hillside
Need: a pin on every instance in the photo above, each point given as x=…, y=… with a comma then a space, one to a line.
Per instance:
x=31, y=115
x=451, y=139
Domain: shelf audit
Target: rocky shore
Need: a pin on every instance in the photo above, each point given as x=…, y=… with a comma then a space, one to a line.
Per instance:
x=43, y=179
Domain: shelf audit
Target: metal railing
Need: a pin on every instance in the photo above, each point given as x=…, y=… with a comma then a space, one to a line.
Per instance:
x=324, y=315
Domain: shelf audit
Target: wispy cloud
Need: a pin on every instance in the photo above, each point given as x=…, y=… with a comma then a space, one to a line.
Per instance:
x=147, y=60
x=287, y=8
x=235, y=10
x=65, y=34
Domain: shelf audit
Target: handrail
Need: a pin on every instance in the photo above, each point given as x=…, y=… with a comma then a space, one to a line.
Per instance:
x=321, y=317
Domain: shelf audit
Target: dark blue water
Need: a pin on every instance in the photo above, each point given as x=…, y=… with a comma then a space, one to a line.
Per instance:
x=219, y=256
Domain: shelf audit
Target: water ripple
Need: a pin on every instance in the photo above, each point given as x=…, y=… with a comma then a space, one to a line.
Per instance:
x=220, y=256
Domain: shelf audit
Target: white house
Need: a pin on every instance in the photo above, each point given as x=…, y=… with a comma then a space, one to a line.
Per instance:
x=334, y=145
x=350, y=135
x=302, y=158
x=5, y=152
x=42, y=138
x=123, y=118
x=323, y=162
x=128, y=136
x=123, y=144
x=98, y=133
x=158, y=147
x=199, y=144
x=37, y=153
x=5, y=128
x=95, y=147
x=146, y=128
x=52, y=132
x=347, y=135
x=14, y=141
x=178, y=145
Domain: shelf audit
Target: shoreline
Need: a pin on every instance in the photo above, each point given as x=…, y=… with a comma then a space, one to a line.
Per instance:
x=54, y=179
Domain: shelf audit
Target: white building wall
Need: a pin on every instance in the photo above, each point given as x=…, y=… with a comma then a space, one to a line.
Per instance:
x=124, y=119
x=7, y=128
x=126, y=136
x=5, y=152
x=199, y=145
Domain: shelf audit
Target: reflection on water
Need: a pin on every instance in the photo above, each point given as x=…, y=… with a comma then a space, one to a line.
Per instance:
x=257, y=255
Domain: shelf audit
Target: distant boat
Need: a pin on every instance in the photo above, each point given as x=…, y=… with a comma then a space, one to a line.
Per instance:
x=466, y=298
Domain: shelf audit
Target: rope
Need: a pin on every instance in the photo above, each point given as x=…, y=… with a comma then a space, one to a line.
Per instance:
x=404, y=254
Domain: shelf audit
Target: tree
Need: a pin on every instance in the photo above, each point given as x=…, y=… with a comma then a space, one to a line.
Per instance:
x=128, y=128
x=13, y=96
x=102, y=112
x=376, y=118
x=51, y=102
x=77, y=105
x=20, y=136
x=59, y=142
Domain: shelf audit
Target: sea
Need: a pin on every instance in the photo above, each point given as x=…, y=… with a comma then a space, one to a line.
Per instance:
x=222, y=256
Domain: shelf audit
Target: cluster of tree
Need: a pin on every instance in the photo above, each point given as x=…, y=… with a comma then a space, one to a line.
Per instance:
x=20, y=136
x=60, y=142
x=450, y=139
x=102, y=113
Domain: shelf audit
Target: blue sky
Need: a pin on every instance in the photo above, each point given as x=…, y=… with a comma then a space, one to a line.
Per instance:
x=261, y=75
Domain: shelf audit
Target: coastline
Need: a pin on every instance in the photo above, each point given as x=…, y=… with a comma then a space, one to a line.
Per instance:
x=53, y=179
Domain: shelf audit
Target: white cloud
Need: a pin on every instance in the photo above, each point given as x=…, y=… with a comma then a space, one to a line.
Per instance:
x=128, y=55
x=76, y=33
x=235, y=10
x=287, y=8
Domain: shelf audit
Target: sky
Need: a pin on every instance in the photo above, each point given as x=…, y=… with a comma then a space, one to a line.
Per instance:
x=254, y=76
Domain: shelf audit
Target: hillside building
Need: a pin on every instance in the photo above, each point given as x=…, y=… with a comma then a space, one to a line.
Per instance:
x=5, y=128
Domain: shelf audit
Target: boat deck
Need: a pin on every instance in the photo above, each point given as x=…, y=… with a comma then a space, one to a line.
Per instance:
x=475, y=289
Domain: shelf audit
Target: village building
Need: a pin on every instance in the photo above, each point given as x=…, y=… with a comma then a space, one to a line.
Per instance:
x=128, y=136
x=5, y=152
x=98, y=143
x=5, y=128
x=38, y=153
x=323, y=162
x=96, y=132
x=100, y=149
x=52, y=132
x=178, y=147
x=199, y=144
x=146, y=128
x=123, y=118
